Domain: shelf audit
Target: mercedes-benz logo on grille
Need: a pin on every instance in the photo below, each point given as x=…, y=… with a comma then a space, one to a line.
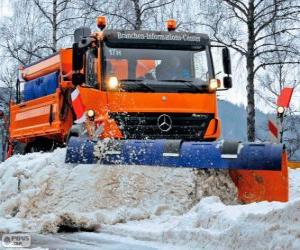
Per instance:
x=164, y=123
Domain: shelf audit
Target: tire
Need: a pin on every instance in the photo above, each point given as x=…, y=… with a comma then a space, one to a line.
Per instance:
x=42, y=145
x=19, y=148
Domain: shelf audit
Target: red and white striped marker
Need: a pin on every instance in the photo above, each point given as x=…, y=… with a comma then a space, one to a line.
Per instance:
x=273, y=131
x=78, y=106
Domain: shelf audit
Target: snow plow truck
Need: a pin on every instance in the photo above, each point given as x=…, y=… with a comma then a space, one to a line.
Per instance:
x=139, y=98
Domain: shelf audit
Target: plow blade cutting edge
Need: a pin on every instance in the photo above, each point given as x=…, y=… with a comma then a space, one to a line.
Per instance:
x=259, y=171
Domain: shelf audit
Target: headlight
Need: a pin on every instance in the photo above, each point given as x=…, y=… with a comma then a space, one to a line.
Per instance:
x=91, y=114
x=113, y=83
x=213, y=84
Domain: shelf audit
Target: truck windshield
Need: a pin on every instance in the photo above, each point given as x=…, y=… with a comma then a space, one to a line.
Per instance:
x=158, y=69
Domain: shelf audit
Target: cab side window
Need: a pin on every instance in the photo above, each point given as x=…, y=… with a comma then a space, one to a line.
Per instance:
x=91, y=68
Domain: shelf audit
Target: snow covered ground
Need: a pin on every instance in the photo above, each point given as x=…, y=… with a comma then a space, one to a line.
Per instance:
x=143, y=208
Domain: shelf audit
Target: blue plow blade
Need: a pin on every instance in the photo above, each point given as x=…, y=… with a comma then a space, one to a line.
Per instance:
x=185, y=154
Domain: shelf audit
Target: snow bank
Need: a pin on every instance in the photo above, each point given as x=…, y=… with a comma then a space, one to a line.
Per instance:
x=211, y=224
x=294, y=182
x=44, y=193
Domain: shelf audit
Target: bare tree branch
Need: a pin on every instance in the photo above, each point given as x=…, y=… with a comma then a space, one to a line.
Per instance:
x=234, y=4
x=45, y=13
x=157, y=6
x=274, y=63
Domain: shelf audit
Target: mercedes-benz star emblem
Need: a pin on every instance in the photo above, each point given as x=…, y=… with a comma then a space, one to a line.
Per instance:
x=164, y=123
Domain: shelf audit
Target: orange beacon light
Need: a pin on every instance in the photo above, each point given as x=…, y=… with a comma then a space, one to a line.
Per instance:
x=171, y=24
x=101, y=22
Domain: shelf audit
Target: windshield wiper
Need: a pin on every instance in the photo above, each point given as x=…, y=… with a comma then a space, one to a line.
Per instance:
x=141, y=83
x=188, y=83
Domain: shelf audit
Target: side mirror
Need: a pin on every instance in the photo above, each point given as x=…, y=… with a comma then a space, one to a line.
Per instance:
x=227, y=82
x=81, y=34
x=81, y=42
x=77, y=57
x=226, y=61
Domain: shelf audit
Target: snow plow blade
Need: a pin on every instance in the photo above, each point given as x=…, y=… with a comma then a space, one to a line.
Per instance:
x=259, y=170
x=176, y=153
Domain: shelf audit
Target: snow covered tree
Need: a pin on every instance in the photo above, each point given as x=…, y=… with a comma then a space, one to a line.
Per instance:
x=273, y=79
x=127, y=14
x=59, y=17
x=37, y=29
x=245, y=26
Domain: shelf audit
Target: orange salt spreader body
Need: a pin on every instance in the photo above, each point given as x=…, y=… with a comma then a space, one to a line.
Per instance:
x=144, y=87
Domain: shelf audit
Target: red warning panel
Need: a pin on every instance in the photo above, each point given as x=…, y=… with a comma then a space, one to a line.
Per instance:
x=285, y=97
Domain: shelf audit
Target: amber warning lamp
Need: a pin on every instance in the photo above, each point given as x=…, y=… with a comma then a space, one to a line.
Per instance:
x=101, y=22
x=171, y=24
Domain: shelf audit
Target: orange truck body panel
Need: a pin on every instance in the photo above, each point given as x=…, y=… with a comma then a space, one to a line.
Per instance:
x=39, y=117
x=161, y=102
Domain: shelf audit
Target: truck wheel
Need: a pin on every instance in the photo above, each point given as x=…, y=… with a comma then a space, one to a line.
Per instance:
x=30, y=148
x=19, y=148
x=42, y=145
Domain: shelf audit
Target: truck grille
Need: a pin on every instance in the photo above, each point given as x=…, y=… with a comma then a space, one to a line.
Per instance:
x=146, y=125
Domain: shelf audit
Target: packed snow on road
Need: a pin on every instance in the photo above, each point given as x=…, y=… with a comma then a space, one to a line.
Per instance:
x=138, y=207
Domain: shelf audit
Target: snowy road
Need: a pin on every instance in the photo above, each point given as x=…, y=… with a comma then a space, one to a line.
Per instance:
x=90, y=241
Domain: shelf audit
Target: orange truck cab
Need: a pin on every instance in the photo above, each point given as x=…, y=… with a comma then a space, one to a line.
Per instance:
x=132, y=84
